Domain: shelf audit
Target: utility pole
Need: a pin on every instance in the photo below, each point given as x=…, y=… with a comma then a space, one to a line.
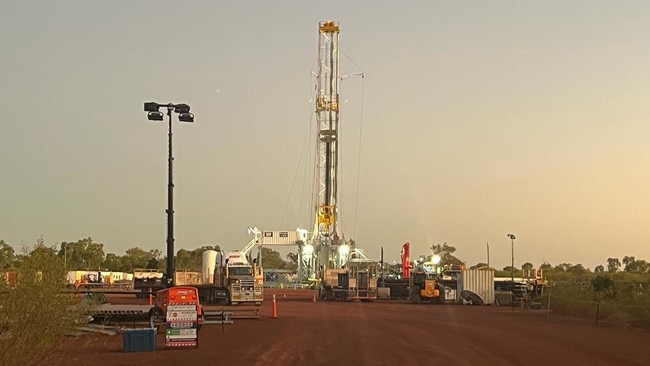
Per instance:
x=512, y=268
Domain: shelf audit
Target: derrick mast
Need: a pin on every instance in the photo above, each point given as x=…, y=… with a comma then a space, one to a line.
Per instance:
x=327, y=119
x=326, y=249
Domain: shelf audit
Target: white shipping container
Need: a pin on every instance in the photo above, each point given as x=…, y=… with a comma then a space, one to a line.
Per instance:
x=480, y=282
x=279, y=237
x=115, y=277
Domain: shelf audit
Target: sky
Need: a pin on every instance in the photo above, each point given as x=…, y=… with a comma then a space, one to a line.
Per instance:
x=474, y=119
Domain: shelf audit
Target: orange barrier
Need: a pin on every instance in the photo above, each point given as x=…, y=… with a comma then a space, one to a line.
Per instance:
x=275, y=308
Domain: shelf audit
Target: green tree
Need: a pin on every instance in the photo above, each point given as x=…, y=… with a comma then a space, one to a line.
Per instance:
x=183, y=259
x=563, y=267
x=642, y=266
x=580, y=272
x=139, y=258
x=40, y=250
x=603, y=287
x=7, y=255
x=634, y=265
x=113, y=262
x=546, y=267
x=629, y=263
x=153, y=263
x=84, y=254
x=510, y=270
x=613, y=264
x=445, y=252
x=599, y=269
x=19, y=259
x=292, y=261
x=272, y=259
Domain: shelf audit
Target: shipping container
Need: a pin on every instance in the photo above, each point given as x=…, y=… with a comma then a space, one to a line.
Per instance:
x=116, y=277
x=279, y=237
x=478, y=281
x=187, y=278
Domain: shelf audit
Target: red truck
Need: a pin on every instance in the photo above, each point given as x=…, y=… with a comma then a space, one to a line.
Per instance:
x=185, y=297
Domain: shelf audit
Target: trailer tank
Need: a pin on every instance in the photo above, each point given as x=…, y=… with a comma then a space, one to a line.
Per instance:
x=208, y=264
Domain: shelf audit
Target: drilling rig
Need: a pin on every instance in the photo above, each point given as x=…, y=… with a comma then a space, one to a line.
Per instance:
x=325, y=257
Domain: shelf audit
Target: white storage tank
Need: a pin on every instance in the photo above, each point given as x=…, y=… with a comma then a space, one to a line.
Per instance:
x=208, y=264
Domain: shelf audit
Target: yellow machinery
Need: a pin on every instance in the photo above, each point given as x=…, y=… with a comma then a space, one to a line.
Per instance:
x=425, y=287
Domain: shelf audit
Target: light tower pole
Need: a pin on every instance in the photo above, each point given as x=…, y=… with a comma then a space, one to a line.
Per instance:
x=184, y=115
x=512, y=264
x=512, y=268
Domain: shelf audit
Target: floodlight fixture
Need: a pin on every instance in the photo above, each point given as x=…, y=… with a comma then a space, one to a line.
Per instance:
x=186, y=117
x=155, y=116
x=151, y=106
x=344, y=250
x=308, y=250
x=182, y=108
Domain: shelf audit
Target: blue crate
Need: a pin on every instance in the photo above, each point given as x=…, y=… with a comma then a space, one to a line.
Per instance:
x=139, y=339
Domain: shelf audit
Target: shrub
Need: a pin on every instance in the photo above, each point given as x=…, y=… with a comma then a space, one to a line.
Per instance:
x=603, y=299
x=36, y=314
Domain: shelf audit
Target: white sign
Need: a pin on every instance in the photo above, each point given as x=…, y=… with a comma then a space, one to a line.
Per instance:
x=181, y=307
x=181, y=326
x=179, y=316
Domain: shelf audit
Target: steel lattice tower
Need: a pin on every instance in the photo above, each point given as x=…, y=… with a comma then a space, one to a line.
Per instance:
x=325, y=237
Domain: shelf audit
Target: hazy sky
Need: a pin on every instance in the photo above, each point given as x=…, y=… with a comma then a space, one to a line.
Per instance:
x=474, y=119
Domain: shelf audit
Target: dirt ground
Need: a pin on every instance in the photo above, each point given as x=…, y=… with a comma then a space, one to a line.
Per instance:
x=378, y=333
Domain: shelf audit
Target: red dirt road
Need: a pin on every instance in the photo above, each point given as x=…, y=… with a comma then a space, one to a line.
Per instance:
x=380, y=333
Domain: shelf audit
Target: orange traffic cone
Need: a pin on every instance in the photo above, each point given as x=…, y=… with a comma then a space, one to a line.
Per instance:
x=275, y=308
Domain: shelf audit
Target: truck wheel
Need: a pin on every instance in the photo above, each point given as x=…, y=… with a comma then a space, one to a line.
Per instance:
x=155, y=318
x=415, y=296
x=441, y=299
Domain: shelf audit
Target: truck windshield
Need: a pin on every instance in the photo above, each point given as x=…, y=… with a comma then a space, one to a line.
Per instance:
x=241, y=271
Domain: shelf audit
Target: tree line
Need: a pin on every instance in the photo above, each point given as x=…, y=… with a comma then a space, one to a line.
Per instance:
x=86, y=254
